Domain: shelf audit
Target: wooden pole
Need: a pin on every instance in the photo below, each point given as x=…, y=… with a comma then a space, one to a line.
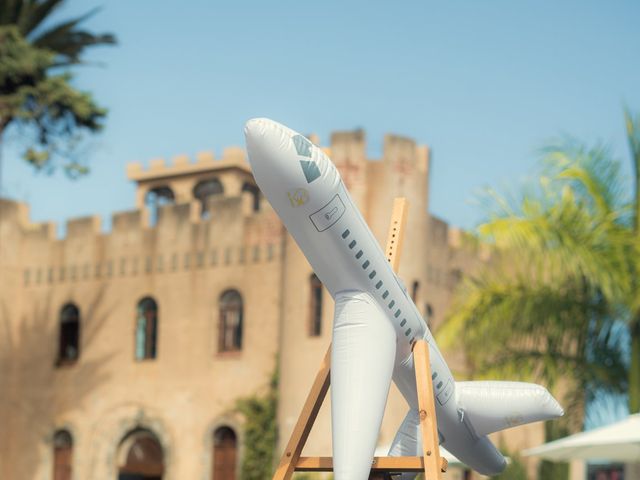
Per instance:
x=307, y=417
x=427, y=411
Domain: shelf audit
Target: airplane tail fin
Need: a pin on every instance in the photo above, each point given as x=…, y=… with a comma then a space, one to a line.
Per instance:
x=487, y=407
x=362, y=355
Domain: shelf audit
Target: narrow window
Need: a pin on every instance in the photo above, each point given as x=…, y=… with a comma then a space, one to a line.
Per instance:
x=428, y=315
x=315, y=307
x=455, y=276
x=225, y=454
x=230, y=331
x=203, y=192
x=62, y=455
x=415, y=289
x=69, y=335
x=146, y=328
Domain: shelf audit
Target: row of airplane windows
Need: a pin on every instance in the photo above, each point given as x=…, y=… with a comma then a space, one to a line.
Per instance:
x=359, y=254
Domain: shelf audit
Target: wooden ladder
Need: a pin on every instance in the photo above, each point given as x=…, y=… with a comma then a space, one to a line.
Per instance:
x=430, y=462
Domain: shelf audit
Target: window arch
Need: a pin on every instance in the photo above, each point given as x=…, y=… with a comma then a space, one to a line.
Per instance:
x=203, y=191
x=156, y=198
x=62, y=455
x=225, y=454
x=69, y=335
x=230, y=324
x=140, y=456
x=315, y=306
x=146, y=328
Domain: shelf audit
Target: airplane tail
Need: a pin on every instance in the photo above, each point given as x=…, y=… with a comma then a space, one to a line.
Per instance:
x=488, y=407
x=483, y=408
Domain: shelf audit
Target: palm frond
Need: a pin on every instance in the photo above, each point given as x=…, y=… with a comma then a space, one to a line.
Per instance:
x=66, y=40
x=34, y=14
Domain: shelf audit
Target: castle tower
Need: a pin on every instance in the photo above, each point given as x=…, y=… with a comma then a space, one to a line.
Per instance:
x=185, y=182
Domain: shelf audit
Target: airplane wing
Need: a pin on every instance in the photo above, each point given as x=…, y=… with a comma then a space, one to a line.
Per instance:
x=362, y=358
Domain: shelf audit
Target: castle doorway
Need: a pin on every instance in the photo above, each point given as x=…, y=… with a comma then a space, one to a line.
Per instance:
x=225, y=454
x=140, y=457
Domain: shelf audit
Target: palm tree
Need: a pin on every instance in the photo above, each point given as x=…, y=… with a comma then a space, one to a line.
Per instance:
x=34, y=92
x=548, y=306
x=66, y=39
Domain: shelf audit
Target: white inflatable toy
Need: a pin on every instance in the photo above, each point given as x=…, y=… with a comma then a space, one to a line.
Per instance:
x=375, y=321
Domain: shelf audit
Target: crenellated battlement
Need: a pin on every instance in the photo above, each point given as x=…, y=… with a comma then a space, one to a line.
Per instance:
x=194, y=213
x=230, y=236
x=232, y=157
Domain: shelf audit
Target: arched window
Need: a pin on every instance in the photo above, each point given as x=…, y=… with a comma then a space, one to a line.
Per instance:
x=225, y=454
x=146, y=328
x=69, y=335
x=415, y=290
x=62, y=455
x=255, y=195
x=203, y=191
x=140, y=457
x=156, y=198
x=230, y=332
x=315, y=306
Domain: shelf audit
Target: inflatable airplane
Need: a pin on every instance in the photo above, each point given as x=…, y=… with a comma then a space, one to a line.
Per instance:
x=376, y=322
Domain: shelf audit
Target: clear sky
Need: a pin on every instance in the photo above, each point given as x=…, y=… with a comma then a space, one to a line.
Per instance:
x=485, y=84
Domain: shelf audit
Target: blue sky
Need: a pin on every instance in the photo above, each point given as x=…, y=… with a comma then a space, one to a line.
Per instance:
x=485, y=84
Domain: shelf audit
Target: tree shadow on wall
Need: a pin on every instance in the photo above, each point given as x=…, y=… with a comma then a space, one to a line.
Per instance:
x=35, y=395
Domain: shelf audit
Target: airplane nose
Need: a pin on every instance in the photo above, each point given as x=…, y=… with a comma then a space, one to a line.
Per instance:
x=267, y=140
x=255, y=127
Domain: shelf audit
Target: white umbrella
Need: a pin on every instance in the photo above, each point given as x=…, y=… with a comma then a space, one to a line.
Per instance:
x=617, y=442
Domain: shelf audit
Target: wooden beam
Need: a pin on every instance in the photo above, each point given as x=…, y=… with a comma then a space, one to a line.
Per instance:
x=393, y=464
x=307, y=417
x=427, y=411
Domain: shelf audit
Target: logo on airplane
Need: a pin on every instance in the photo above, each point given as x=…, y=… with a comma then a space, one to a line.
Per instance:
x=298, y=197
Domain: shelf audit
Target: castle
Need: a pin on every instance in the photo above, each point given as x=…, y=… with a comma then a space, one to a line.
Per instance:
x=123, y=354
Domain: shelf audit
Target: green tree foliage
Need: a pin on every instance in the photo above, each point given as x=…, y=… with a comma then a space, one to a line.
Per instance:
x=548, y=305
x=260, y=432
x=36, y=91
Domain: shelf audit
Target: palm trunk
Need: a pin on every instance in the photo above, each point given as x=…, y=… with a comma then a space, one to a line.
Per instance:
x=633, y=135
x=634, y=368
x=553, y=430
x=2, y=127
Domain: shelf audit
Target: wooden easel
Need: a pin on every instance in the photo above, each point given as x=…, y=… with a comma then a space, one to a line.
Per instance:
x=430, y=463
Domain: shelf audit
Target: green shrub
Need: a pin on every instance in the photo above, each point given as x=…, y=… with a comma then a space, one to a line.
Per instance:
x=260, y=432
